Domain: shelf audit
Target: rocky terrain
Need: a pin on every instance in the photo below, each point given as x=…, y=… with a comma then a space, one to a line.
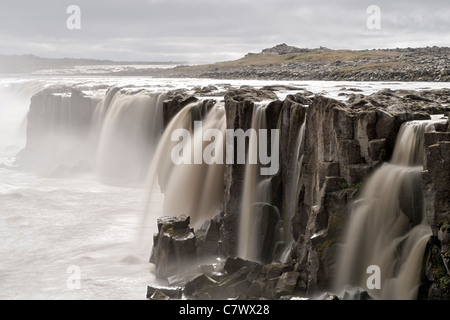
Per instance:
x=344, y=143
x=289, y=63
x=281, y=62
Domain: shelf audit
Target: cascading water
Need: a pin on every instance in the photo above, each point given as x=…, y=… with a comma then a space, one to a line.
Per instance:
x=293, y=191
x=256, y=211
x=247, y=227
x=130, y=131
x=113, y=137
x=388, y=227
x=192, y=189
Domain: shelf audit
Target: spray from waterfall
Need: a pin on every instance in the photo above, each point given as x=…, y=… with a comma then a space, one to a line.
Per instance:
x=388, y=227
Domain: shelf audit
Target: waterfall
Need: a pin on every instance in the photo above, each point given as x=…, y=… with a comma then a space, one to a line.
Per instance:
x=192, y=189
x=388, y=227
x=247, y=227
x=131, y=125
x=58, y=127
x=293, y=191
x=113, y=137
x=257, y=214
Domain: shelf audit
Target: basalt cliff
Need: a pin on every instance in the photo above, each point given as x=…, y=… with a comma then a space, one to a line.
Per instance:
x=328, y=149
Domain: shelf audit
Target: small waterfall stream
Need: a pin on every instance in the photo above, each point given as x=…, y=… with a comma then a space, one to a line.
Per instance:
x=388, y=227
x=254, y=191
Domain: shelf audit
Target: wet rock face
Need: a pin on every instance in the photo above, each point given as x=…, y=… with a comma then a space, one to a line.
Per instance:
x=435, y=181
x=239, y=116
x=208, y=238
x=344, y=143
x=174, y=105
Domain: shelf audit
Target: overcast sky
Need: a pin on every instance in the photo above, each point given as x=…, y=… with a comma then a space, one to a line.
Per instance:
x=214, y=30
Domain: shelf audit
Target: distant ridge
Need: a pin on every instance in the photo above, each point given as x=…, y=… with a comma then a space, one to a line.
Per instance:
x=30, y=63
x=284, y=62
x=283, y=48
x=281, y=62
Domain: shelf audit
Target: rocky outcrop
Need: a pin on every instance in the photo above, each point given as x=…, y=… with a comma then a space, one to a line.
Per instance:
x=241, y=279
x=239, y=115
x=174, y=246
x=174, y=105
x=436, y=181
x=285, y=49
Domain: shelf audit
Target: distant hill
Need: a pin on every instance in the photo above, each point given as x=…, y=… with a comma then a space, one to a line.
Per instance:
x=281, y=62
x=31, y=63
x=284, y=62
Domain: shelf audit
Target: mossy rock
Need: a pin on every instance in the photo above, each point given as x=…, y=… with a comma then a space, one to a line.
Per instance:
x=171, y=231
x=439, y=270
x=444, y=285
x=325, y=245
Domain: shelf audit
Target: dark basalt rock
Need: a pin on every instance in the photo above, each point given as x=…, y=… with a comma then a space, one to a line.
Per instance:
x=232, y=265
x=287, y=284
x=174, y=247
x=208, y=239
x=199, y=287
x=250, y=93
x=171, y=293
x=174, y=105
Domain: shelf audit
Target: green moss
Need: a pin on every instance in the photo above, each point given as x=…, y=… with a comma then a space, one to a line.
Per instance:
x=444, y=225
x=438, y=266
x=336, y=221
x=444, y=285
x=383, y=155
x=168, y=228
x=344, y=186
x=326, y=244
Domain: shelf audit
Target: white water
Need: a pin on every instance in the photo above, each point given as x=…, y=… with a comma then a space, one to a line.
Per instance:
x=48, y=225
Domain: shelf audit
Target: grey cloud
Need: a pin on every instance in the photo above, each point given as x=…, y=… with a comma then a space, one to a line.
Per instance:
x=211, y=30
